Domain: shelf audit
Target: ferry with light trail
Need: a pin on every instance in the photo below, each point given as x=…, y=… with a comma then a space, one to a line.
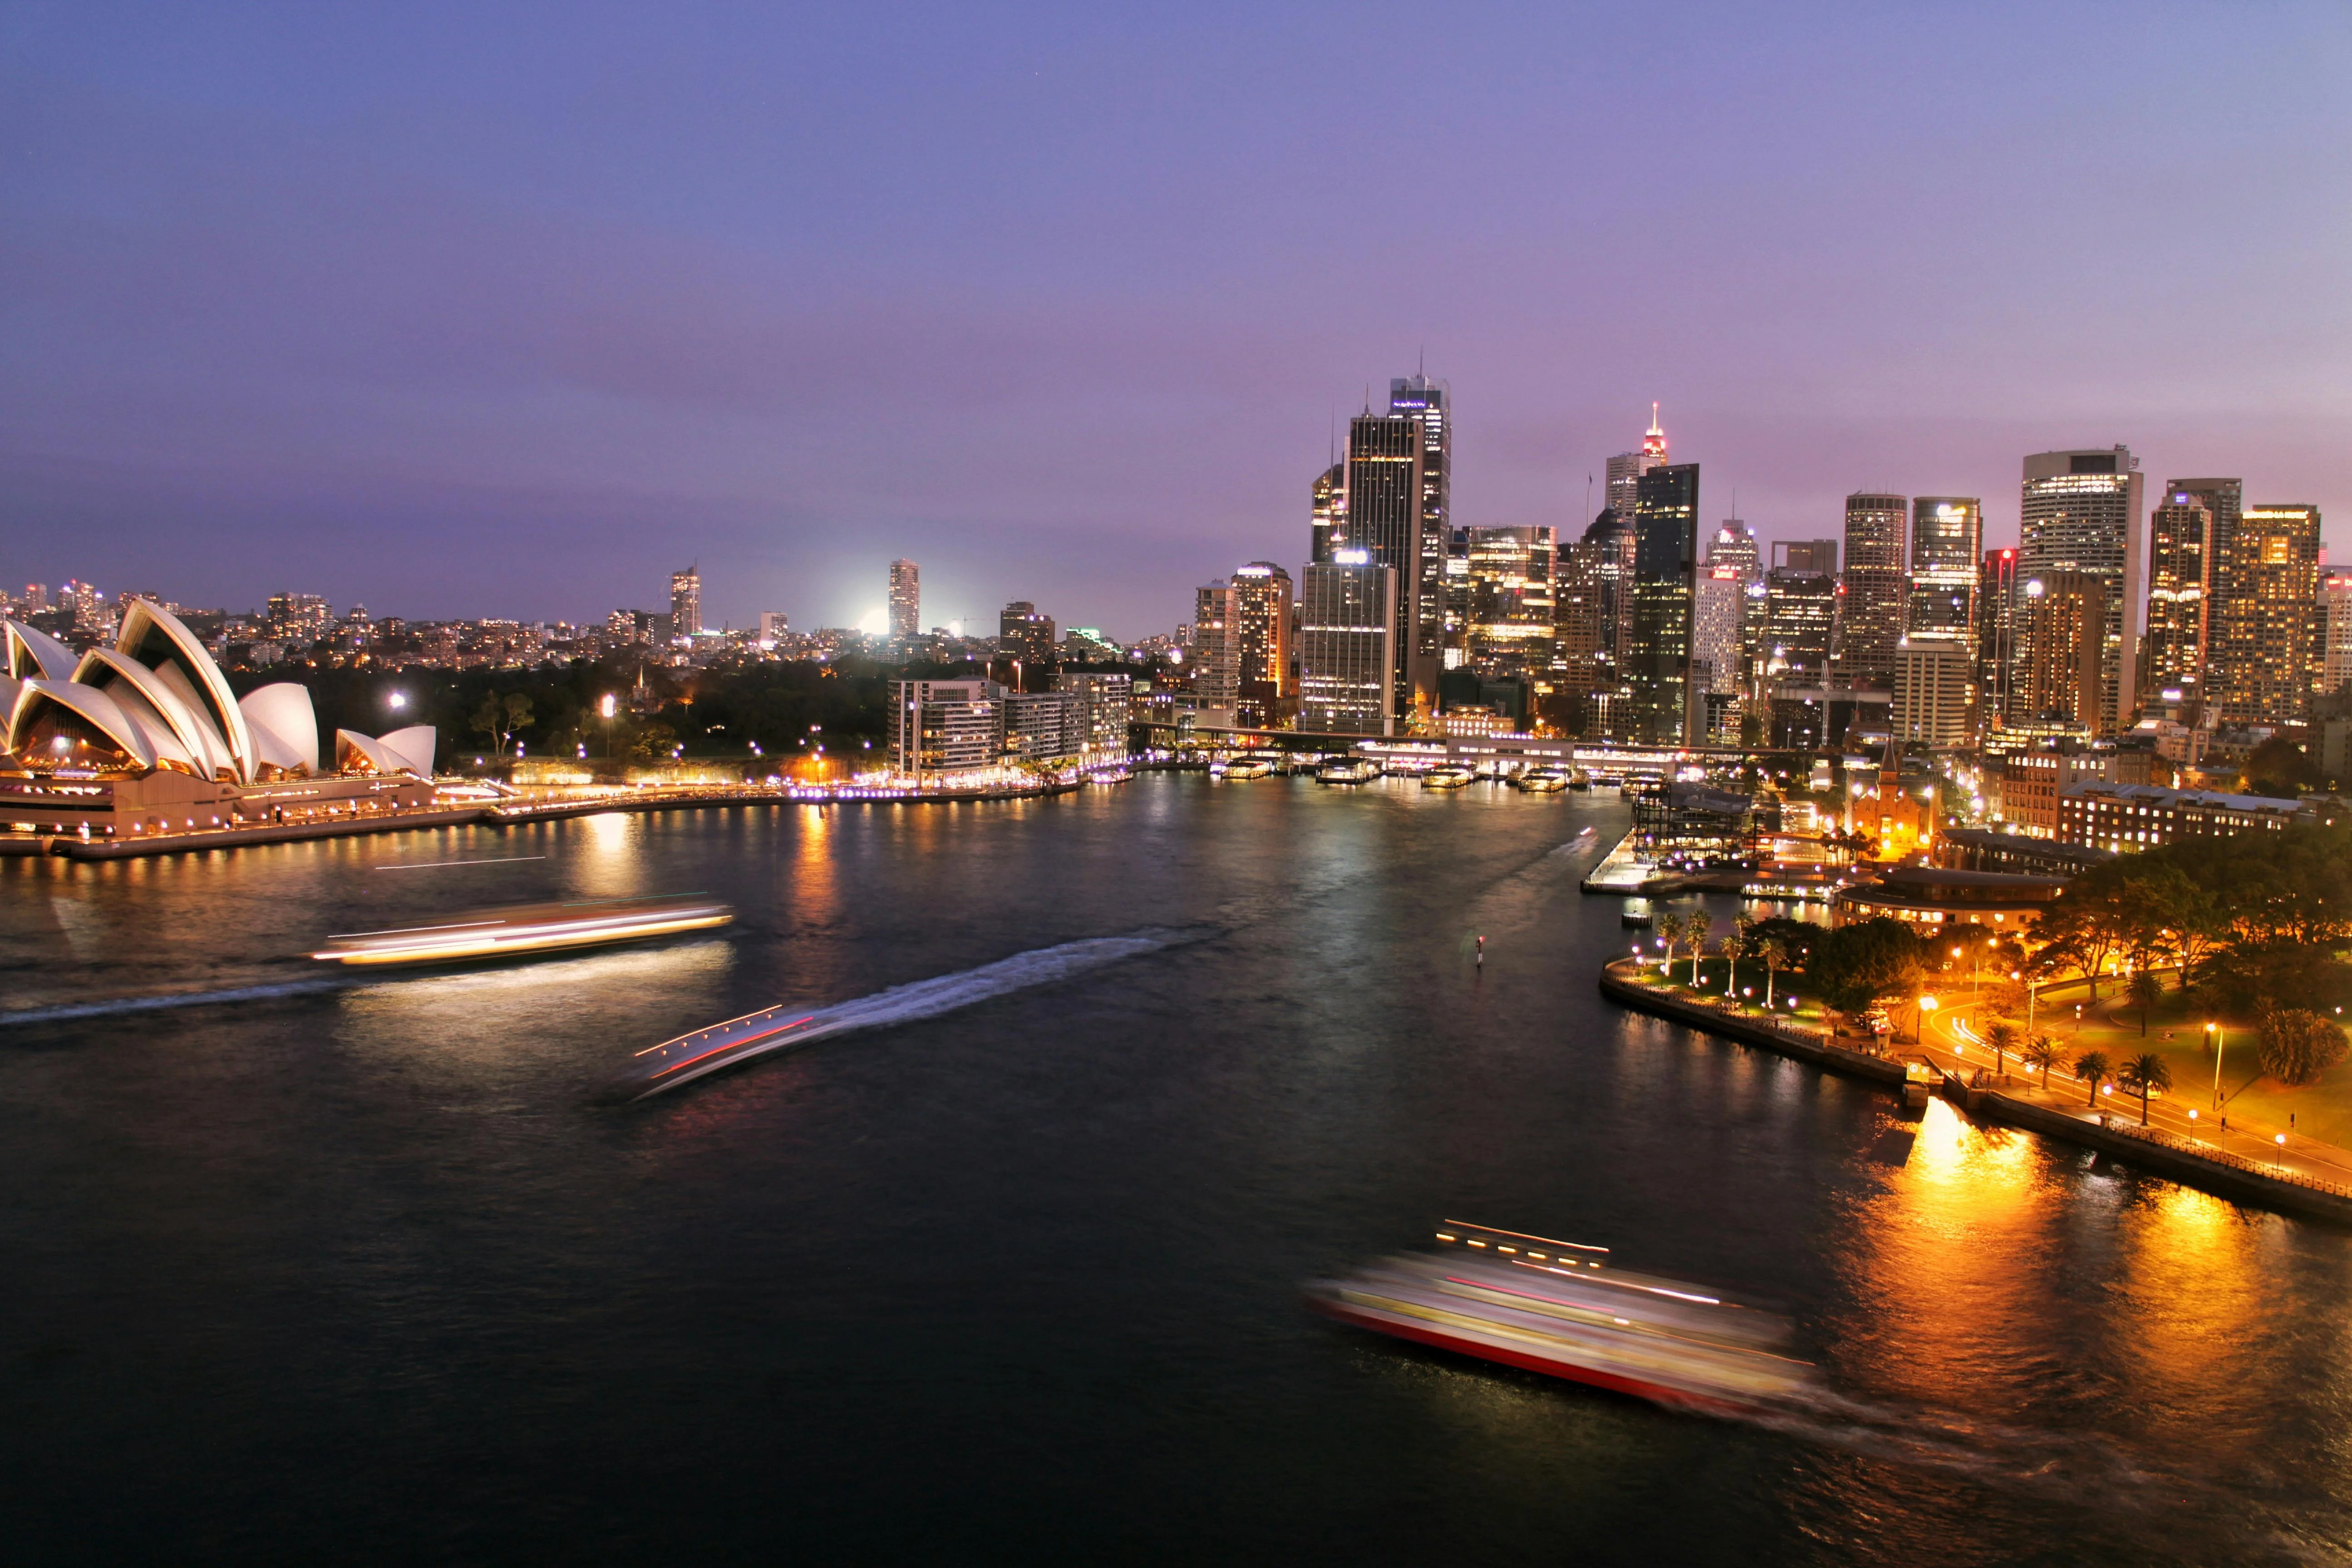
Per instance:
x=1561, y=1309
x=524, y=931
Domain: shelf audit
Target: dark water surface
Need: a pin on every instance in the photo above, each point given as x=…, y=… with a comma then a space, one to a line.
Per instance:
x=367, y=1274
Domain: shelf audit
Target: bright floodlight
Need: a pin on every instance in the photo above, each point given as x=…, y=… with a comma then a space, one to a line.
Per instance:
x=875, y=623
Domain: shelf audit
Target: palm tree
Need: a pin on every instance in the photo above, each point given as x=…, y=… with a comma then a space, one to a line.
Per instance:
x=2091, y=1067
x=1774, y=952
x=1695, y=929
x=1734, y=948
x=2145, y=1074
x=2041, y=1052
x=2001, y=1036
x=2144, y=990
x=1670, y=931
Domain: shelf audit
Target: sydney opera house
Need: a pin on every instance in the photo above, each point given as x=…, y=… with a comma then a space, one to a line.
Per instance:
x=146, y=738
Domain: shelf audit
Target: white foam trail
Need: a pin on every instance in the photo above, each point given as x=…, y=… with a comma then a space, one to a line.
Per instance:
x=694, y=1057
x=177, y=999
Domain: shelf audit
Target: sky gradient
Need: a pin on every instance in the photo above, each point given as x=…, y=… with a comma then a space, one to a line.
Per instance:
x=507, y=310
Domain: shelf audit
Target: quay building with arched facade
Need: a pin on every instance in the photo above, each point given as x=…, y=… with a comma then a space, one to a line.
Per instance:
x=145, y=737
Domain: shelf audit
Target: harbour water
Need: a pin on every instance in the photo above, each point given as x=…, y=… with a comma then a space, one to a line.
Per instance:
x=326, y=1267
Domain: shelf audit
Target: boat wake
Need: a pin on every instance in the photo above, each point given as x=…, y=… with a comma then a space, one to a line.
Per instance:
x=2058, y=1463
x=665, y=1066
x=67, y=1011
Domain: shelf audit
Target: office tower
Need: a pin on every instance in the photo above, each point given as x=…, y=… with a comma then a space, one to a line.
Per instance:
x=37, y=598
x=1933, y=695
x=1997, y=639
x=686, y=602
x=1734, y=544
x=1801, y=618
x=1347, y=664
x=906, y=599
x=1626, y=468
x=1388, y=492
x=2081, y=513
x=1718, y=610
x=2066, y=679
x=1870, y=605
x=2335, y=661
x=2179, y=596
x=2269, y=654
x=1595, y=622
x=1946, y=554
x=773, y=626
x=1025, y=636
x=2224, y=498
x=1261, y=637
x=1511, y=613
x=1416, y=397
x=1330, y=513
x=1665, y=564
x=1815, y=555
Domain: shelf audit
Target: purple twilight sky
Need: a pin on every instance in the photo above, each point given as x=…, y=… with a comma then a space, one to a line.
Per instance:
x=501, y=310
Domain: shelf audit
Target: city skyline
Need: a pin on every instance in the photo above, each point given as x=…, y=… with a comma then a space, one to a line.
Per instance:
x=253, y=310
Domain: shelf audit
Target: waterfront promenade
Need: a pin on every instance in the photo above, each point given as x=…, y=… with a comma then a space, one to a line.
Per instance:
x=468, y=804
x=2243, y=1160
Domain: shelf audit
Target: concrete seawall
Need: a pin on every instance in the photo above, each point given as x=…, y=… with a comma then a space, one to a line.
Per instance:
x=2221, y=1177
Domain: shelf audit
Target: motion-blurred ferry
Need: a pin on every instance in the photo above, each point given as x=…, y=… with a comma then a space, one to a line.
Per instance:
x=521, y=931
x=1562, y=1309
x=1247, y=768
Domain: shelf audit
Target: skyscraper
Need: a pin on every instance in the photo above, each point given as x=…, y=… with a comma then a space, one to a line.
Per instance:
x=1217, y=653
x=2223, y=498
x=906, y=599
x=1512, y=612
x=1734, y=544
x=1595, y=622
x=1818, y=555
x=686, y=602
x=1870, y=608
x=2065, y=615
x=1718, y=665
x=2081, y=514
x=1933, y=694
x=1800, y=620
x=1025, y=637
x=1626, y=468
x=2179, y=596
x=1262, y=607
x=1329, y=496
x=2336, y=663
x=1665, y=565
x=1347, y=668
x=1997, y=639
x=2271, y=652
x=1946, y=548
x=1389, y=501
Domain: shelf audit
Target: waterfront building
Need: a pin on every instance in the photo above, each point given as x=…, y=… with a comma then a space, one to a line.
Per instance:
x=1933, y=693
x=1329, y=503
x=1946, y=546
x=686, y=602
x=946, y=726
x=2081, y=515
x=2181, y=563
x=1025, y=637
x=2064, y=674
x=1044, y=726
x=1105, y=703
x=1347, y=627
x=2269, y=658
x=1265, y=690
x=1512, y=613
x=1870, y=599
x=2336, y=660
x=905, y=600
x=146, y=737
x=2127, y=817
x=1930, y=898
x=1217, y=653
x=1665, y=563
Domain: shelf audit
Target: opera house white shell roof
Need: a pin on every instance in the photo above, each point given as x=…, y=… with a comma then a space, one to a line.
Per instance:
x=156, y=701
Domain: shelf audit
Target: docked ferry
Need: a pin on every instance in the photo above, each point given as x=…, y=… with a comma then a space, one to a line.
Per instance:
x=1452, y=775
x=1542, y=781
x=524, y=930
x=1564, y=1309
x=1353, y=771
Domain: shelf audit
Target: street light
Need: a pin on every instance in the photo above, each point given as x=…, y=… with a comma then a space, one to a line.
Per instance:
x=2216, y=1031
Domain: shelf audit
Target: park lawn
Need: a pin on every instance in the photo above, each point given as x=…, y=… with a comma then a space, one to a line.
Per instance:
x=1713, y=974
x=2322, y=1110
